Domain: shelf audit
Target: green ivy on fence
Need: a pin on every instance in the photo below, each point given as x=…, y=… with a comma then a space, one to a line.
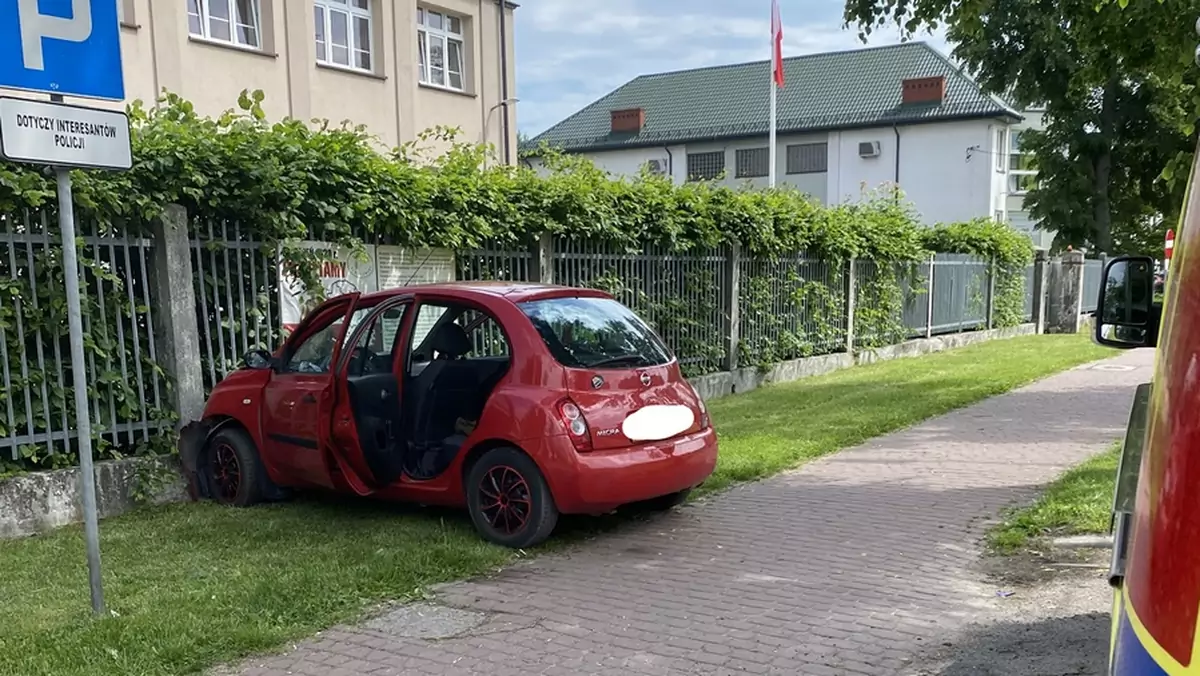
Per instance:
x=282, y=182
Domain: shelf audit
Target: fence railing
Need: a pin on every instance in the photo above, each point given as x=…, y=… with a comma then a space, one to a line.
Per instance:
x=715, y=308
x=236, y=286
x=1093, y=273
x=129, y=390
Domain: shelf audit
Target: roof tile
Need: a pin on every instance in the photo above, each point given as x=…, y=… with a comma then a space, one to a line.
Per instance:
x=858, y=88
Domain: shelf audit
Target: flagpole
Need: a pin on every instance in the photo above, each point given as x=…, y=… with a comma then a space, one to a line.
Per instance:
x=771, y=140
x=776, y=63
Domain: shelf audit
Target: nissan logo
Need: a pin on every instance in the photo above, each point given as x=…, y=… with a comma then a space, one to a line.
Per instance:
x=645, y=379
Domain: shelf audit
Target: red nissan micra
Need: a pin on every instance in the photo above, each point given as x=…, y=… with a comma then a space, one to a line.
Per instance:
x=517, y=401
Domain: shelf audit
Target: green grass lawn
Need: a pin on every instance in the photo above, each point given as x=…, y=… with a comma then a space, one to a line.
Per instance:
x=195, y=584
x=1078, y=502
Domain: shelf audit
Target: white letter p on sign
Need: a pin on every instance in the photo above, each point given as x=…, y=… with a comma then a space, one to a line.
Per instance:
x=35, y=26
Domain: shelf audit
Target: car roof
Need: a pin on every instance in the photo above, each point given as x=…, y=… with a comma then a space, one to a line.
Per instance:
x=514, y=292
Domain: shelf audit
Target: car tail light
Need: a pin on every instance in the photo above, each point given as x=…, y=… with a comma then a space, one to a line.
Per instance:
x=576, y=424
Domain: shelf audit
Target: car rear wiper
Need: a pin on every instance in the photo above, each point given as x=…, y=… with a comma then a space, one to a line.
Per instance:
x=620, y=359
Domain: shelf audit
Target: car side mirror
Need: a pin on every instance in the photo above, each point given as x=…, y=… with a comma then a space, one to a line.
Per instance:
x=258, y=359
x=1126, y=316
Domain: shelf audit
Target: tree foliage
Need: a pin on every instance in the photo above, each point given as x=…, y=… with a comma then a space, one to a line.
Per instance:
x=1120, y=93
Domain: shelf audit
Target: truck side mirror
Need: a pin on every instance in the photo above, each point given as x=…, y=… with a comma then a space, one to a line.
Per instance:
x=1125, y=314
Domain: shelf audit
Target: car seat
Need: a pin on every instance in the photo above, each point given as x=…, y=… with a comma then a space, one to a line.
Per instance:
x=440, y=393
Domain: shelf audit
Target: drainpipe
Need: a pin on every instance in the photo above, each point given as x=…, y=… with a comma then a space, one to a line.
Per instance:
x=504, y=79
x=670, y=163
x=896, y=179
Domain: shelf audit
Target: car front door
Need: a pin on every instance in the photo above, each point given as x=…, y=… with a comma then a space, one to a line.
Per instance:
x=298, y=400
x=369, y=435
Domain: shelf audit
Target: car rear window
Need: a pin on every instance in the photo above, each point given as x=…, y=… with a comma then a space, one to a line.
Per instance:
x=595, y=333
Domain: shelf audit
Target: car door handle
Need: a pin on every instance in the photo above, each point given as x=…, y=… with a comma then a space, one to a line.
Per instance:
x=308, y=399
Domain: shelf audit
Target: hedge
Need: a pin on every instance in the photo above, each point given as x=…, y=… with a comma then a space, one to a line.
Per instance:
x=289, y=180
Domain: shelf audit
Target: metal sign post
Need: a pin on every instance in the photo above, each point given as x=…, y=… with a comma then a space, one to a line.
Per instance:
x=83, y=424
x=73, y=48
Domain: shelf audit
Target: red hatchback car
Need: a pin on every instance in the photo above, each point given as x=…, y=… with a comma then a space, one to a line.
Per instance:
x=517, y=401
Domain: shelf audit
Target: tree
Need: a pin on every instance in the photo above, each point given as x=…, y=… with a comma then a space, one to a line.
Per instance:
x=1119, y=90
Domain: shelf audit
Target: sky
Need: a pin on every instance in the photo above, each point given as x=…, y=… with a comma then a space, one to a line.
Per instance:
x=571, y=52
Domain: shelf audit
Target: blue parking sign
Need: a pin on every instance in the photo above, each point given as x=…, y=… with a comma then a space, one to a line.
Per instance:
x=67, y=47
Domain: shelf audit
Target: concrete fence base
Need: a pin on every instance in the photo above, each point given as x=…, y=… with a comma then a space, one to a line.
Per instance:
x=717, y=385
x=40, y=501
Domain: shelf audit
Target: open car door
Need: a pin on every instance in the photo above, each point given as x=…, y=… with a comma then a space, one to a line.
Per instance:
x=368, y=424
x=298, y=401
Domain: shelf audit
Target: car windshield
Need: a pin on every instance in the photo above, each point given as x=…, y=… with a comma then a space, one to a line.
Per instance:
x=595, y=333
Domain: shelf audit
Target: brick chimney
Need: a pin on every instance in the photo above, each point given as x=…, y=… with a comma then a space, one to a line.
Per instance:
x=923, y=90
x=628, y=121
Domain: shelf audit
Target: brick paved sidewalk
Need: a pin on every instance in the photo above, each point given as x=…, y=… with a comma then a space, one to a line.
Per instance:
x=848, y=565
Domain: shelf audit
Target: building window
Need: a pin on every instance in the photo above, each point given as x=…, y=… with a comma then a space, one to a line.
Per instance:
x=343, y=32
x=238, y=22
x=1022, y=167
x=125, y=13
x=752, y=162
x=705, y=166
x=808, y=158
x=1001, y=152
x=440, y=49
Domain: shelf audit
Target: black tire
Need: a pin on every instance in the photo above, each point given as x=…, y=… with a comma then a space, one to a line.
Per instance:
x=231, y=451
x=665, y=502
x=510, y=474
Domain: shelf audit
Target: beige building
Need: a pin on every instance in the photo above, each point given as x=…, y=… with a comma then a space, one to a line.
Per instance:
x=398, y=66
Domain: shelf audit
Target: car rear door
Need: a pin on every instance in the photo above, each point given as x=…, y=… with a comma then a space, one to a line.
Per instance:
x=368, y=426
x=298, y=400
x=632, y=406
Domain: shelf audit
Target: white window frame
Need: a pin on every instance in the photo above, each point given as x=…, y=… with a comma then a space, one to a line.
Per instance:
x=353, y=48
x=1001, y=151
x=204, y=18
x=426, y=35
x=1013, y=159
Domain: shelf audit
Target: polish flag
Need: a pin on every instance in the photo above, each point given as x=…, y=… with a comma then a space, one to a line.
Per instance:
x=776, y=44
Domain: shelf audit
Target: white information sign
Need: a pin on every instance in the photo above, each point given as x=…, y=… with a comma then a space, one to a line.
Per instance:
x=347, y=272
x=400, y=267
x=64, y=135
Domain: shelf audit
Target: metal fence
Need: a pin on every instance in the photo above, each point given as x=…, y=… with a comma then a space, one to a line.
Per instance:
x=789, y=307
x=960, y=293
x=680, y=294
x=128, y=391
x=236, y=282
x=1029, y=293
x=1093, y=272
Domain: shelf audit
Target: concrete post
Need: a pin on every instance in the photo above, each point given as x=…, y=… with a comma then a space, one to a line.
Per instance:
x=1066, y=294
x=541, y=268
x=731, y=291
x=1040, y=273
x=850, y=303
x=176, y=331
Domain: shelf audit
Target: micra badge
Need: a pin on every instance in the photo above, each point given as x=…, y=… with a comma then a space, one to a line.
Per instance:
x=597, y=381
x=645, y=379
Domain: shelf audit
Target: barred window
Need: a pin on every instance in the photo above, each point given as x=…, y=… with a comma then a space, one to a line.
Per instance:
x=752, y=162
x=705, y=166
x=808, y=158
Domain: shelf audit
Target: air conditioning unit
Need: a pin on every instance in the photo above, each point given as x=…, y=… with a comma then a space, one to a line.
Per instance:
x=657, y=167
x=868, y=149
